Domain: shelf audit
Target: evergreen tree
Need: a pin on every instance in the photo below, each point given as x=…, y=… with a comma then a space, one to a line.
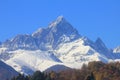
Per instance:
x=14, y=78
x=26, y=78
x=47, y=78
x=38, y=76
x=20, y=77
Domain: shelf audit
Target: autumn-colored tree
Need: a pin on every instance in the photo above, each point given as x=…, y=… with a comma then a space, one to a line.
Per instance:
x=95, y=70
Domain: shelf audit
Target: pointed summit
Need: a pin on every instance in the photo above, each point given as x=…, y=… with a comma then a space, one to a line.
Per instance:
x=100, y=43
x=59, y=20
x=59, y=31
x=62, y=27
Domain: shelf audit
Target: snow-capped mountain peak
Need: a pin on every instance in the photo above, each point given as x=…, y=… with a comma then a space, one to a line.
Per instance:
x=60, y=31
x=59, y=20
x=57, y=32
x=59, y=43
x=62, y=27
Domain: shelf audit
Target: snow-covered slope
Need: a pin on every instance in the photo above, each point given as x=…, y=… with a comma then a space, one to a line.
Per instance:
x=58, y=44
x=26, y=61
x=71, y=54
x=116, y=50
x=76, y=51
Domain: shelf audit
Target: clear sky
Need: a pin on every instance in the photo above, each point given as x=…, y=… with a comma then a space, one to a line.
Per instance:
x=92, y=18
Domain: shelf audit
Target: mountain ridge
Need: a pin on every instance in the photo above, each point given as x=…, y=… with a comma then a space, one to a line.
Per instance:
x=58, y=44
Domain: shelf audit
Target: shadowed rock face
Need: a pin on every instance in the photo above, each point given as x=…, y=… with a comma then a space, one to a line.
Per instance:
x=6, y=72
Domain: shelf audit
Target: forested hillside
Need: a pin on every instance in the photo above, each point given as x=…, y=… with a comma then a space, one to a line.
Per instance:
x=92, y=71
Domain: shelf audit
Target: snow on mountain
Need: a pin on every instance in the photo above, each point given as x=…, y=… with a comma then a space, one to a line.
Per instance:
x=116, y=50
x=26, y=61
x=58, y=44
x=2, y=50
x=116, y=53
x=76, y=51
x=21, y=42
x=57, y=32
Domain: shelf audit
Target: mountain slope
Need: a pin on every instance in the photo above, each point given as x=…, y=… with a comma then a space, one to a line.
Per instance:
x=76, y=51
x=6, y=72
x=57, y=68
x=116, y=50
x=21, y=42
x=27, y=62
x=57, y=32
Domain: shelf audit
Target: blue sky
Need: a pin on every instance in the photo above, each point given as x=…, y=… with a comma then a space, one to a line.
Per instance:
x=92, y=18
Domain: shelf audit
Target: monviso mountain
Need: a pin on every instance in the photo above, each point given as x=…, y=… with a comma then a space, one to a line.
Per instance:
x=59, y=44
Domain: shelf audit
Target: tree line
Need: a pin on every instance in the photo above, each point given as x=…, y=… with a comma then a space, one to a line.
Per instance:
x=96, y=70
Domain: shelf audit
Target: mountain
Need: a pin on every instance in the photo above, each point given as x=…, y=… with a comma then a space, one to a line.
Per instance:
x=57, y=32
x=45, y=38
x=117, y=50
x=21, y=42
x=58, y=44
x=26, y=61
x=6, y=72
